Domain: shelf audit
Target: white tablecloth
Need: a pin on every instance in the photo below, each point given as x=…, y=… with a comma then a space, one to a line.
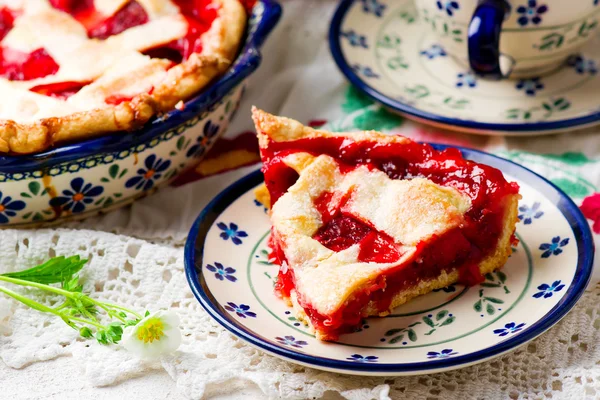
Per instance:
x=42, y=359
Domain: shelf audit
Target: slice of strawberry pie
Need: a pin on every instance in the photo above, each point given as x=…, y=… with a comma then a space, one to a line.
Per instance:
x=363, y=222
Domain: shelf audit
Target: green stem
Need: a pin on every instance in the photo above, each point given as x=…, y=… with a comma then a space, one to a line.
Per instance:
x=87, y=321
x=42, y=286
x=116, y=307
x=31, y=303
x=111, y=313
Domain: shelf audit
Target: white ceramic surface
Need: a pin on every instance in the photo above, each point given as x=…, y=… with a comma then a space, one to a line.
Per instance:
x=230, y=272
x=397, y=60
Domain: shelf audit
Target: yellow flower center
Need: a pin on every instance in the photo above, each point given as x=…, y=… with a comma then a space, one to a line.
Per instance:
x=152, y=330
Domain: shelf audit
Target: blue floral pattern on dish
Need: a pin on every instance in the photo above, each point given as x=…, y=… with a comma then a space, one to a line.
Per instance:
x=448, y=6
x=530, y=86
x=362, y=359
x=145, y=178
x=231, y=232
x=531, y=13
x=210, y=130
x=509, y=328
x=527, y=214
x=442, y=354
x=434, y=51
x=241, y=311
x=291, y=341
x=373, y=6
x=546, y=290
x=355, y=39
x=554, y=247
x=464, y=79
x=77, y=197
x=366, y=71
x=582, y=65
x=221, y=272
x=9, y=207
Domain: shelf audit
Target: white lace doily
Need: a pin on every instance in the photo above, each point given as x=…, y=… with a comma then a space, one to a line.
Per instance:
x=562, y=363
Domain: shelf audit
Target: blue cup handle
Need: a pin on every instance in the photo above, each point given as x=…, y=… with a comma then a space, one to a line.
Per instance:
x=484, y=38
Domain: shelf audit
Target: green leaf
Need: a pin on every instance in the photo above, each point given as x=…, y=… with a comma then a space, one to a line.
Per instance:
x=477, y=305
x=86, y=332
x=546, y=107
x=448, y=321
x=489, y=276
x=34, y=187
x=147, y=313
x=123, y=173
x=490, y=285
x=414, y=324
x=55, y=270
x=355, y=100
x=103, y=179
x=490, y=309
x=572, y=188
x=428, y=321
x=379, y=119
x=122, y=314
x=412, y=335
x=38, y=217
x=101, y=337
x=441, y=315
x=502, y=276
x=494, y=300
x=118, y=195
x=570, y=158
x=396, y=339
x=393, y=331
x=44, y=191
x=113, y=170
x=132, y=322
x=25, y=216
x=180, y=143
x=26, y=195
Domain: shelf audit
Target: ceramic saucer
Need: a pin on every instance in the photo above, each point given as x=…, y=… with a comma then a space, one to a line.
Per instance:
x=228, y=269
x=386, y=50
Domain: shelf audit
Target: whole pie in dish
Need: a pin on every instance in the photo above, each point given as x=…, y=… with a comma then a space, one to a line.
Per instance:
x=73, y=69
x=363, y=222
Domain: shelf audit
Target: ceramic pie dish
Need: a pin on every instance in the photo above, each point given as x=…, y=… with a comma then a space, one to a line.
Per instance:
x=81, y=179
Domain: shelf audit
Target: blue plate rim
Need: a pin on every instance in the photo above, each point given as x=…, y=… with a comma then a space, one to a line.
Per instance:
x=340, y=60
x=578, y=223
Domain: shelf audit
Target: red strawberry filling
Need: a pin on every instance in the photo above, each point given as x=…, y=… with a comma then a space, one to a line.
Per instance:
x=460, y=249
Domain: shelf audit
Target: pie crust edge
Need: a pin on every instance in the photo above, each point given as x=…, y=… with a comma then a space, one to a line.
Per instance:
x=221, y=44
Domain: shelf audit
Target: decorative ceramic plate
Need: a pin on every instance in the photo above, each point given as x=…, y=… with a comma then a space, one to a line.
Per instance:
x=228, y=269
x=387, y=50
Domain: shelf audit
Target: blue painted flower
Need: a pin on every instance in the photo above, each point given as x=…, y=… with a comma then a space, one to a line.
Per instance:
x=291, y=341
x=582, y=66
x=366, y=71
x=466, y=79
x=530, y=86
x=8, y=207
x=210, y=130
x=74, y=200
x=362, y=359
x=145, y=177
x=547, y=290
x=434, y=51
x=231, y=232
x=355, y=39
x=373, y=6
x=531, y=13
x=448, y=6
x=241, y=311
x=511, y=327
x=554, y=247
x=442, y=354
x=222, y=272
x=527, y=214
x=259, y=204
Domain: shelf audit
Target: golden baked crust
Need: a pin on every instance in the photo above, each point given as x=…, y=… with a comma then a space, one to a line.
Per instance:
x=169, y=84
x=410, y=212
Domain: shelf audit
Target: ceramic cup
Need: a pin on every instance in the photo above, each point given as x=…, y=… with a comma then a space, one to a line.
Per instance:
x=511, y=38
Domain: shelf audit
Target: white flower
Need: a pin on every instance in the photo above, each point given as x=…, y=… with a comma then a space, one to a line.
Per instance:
x=154, y=335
